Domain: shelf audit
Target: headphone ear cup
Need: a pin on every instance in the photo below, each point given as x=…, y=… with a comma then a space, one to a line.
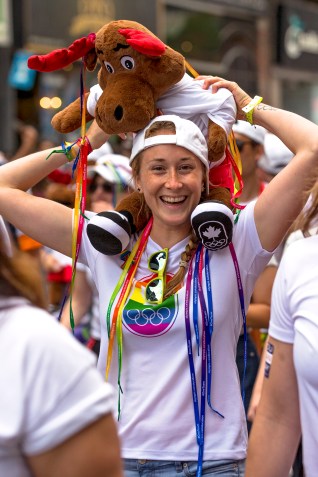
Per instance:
x=212, y=223
x=109, y=232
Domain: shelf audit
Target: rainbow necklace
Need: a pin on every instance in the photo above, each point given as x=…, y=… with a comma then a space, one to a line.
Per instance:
x=123, y=288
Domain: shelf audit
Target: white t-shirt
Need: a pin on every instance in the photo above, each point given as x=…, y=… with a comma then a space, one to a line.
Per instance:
x=94, y=320
x=294, y=319
x=50, y=389
x=157, y=419
x=188, y=100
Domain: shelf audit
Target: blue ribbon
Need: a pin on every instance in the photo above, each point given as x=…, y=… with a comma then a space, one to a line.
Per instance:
x=206, y=358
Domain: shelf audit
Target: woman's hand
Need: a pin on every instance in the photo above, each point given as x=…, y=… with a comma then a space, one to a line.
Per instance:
x=241, y=98
x=254, y=402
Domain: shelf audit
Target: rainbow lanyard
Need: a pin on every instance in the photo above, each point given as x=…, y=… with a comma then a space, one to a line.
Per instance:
x=125, y=284
x=194, y=277
x=80, y=194
x=206, y=339
x=241, y=297
x=80, y=164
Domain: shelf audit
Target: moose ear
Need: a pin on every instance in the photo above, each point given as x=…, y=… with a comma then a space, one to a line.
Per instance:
x=143, y=42
x=59, y=59
x=90, y=59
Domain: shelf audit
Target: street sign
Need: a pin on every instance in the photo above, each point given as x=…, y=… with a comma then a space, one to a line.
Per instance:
x=20, y=76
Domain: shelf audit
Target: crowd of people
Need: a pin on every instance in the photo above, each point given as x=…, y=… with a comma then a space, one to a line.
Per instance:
x=192, y=392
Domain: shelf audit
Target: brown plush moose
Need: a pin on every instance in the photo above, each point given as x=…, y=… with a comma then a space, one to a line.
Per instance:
x=138, y=76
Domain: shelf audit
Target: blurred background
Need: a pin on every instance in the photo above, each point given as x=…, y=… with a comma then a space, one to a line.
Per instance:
x=269, y=47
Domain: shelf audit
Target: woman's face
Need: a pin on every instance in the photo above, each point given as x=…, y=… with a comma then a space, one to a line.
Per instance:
x=171, y=179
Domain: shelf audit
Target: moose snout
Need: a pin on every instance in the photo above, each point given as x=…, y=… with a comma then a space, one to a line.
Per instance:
x=118, y=110
x=118, y=113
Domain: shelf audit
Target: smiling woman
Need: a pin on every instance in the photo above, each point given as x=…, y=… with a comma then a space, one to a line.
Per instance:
x=171, y=179
x=160, y=299
x=170, y=169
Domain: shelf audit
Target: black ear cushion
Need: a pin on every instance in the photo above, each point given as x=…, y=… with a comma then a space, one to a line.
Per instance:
x=214, y=228
x=109, y=232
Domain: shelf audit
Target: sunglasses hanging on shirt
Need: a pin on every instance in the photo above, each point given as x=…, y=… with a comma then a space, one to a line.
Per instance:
x=157, y=263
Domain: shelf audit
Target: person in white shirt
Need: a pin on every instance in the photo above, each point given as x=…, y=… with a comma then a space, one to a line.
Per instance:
x=288, y=406
x=56, y=413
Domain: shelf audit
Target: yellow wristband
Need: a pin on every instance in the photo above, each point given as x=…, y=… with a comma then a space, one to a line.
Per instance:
x=249, y=108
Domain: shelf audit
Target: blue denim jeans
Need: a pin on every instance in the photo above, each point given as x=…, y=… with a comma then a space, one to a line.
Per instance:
x=157, y=468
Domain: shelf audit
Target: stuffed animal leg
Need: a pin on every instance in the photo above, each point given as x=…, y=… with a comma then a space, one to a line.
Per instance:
x=69, y=119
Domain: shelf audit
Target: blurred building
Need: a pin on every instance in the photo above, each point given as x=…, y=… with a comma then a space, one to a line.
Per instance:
x=269, y=47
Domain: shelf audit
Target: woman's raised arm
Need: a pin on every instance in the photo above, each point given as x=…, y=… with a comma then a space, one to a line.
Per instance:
x=283, y=199
x=44, y=220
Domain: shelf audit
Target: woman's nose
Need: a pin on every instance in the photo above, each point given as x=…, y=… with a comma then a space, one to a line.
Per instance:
x=173, y=180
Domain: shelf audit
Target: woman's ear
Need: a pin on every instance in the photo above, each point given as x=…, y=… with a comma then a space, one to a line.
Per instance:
x=137, y=185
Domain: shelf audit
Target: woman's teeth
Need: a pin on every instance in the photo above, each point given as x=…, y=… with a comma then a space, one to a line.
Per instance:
x=173, y=200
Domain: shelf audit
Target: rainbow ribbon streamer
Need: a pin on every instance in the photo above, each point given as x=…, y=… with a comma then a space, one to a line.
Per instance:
x=80, y=164
x=235, y=158
x=124, y=287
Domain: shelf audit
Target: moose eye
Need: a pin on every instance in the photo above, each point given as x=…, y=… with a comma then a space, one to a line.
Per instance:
x=109, y=67
x=127, y=62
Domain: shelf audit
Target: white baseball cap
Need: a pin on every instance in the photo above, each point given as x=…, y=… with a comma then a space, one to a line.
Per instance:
x=276, y=155
x=114, y=168
x=100, y=152
x=187, y=135
x=253, y=132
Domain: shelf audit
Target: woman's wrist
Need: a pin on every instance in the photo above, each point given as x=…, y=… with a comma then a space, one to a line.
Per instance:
x=96, y=136
x=262, y=119
x=97, y=142
x=249, y=108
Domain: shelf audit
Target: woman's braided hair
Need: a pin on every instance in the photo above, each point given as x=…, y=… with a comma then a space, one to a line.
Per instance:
x=178, y=278
x=191, y=246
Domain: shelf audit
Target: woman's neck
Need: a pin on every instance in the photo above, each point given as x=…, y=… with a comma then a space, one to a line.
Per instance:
x=167, y=237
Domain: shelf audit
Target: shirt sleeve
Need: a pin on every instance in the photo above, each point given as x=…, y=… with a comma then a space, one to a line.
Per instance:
x=85, y=247
x=247, y=243
x=189, y=100
x=94, y=94
x=281, y=325
x=58, y=390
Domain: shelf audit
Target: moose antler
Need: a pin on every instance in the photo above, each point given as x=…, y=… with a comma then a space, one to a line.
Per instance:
x=143, y=42
x=59, y=59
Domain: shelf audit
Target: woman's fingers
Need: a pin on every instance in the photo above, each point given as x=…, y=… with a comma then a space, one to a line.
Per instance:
x=240, y=96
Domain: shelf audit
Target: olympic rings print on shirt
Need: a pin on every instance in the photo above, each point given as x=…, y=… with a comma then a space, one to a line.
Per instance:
x=149, y=315
x=150, y=321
